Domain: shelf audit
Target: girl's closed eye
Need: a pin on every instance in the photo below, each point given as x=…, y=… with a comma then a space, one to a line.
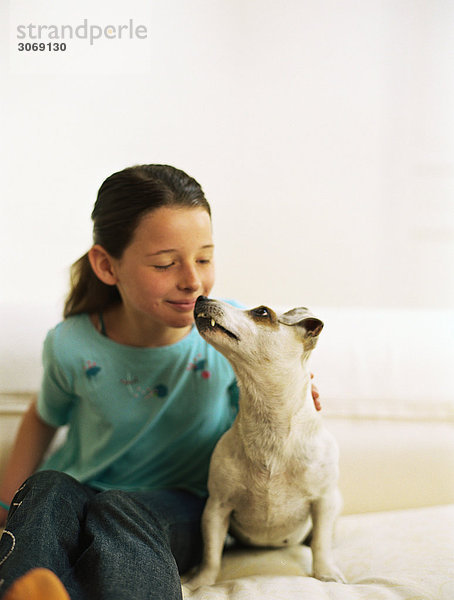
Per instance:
x=163, y=267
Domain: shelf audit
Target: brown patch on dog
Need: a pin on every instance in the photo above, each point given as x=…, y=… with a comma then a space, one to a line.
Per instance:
x=263, y=315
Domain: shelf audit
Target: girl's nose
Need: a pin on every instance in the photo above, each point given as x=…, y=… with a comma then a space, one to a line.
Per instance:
x=189, y=279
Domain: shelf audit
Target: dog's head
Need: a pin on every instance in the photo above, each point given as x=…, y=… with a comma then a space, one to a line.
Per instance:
x=258, y=335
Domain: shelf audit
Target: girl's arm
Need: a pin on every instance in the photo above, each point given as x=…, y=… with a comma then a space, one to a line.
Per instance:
x=32, y=441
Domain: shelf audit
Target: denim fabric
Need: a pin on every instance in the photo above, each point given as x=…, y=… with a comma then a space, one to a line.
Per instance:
x=111, y=544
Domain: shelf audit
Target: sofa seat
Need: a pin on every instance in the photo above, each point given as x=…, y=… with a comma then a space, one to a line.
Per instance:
x=388, y=555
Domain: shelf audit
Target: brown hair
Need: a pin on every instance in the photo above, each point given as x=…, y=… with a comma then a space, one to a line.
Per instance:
x=123, y=199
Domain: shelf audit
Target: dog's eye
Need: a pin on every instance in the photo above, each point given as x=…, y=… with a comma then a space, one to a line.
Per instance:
x=261, y=311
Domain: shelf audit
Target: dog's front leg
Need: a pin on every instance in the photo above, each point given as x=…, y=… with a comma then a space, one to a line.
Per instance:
x=215, y=524
x=324, y=514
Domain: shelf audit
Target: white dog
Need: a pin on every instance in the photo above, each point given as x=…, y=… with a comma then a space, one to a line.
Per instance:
x=274, y=474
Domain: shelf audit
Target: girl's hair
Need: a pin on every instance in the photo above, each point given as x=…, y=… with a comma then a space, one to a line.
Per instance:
x=123, y=199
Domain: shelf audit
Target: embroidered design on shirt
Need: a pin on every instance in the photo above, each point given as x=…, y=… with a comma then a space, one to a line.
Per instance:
x=199, y=365
x=137, y=391
x=130, y=381
x=160, y=391
x=91, y=369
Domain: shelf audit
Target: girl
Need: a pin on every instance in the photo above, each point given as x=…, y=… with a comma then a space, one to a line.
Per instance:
x=115, y=511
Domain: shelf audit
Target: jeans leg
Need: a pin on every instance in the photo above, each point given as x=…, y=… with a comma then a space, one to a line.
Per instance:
x=113, y=544
x=43, y=526
x=180, y=514
x=136, y=544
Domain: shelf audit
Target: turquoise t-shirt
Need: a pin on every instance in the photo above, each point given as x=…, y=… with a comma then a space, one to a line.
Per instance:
x=139, y=418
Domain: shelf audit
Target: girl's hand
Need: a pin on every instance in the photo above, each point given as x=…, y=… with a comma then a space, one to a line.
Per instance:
x=315, y=395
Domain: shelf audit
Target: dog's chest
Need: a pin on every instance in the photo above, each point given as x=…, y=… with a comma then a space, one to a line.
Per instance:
x=291, y=468
x=290, y=484
x=271, y=508
x=270, y=485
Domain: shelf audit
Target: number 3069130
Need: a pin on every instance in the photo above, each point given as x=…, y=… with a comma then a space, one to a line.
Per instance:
x=41, y=47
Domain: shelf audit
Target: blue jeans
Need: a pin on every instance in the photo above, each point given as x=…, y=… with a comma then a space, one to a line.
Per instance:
x=114, y=544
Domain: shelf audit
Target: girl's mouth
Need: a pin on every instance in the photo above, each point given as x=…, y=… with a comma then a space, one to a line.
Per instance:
x=182, y=305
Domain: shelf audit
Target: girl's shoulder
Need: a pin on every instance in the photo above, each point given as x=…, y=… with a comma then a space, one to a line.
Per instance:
x=73, y=332
x=71, y=327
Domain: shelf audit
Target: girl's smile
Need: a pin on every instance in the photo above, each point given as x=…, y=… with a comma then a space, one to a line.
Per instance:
x=183, y=305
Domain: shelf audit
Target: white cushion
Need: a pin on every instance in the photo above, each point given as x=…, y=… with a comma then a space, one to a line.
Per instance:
x=390, y=464
x=399, y=555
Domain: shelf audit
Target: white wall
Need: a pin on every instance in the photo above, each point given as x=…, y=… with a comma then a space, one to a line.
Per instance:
x=321, y=131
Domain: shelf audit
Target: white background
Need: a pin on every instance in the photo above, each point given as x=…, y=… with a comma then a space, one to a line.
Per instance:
x=322, y=132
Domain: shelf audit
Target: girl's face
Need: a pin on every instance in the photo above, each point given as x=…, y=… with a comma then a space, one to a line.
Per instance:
x=168, y=264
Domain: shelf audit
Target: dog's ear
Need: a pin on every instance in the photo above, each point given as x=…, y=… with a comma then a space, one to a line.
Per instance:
x=303, y=318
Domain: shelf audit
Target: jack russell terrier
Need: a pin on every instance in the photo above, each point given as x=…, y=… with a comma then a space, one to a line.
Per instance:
x=273, y=475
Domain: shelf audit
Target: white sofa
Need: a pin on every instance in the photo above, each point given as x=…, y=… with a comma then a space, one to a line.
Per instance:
x=387, y=390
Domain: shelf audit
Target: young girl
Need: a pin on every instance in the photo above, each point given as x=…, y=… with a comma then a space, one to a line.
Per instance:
x=115, y=511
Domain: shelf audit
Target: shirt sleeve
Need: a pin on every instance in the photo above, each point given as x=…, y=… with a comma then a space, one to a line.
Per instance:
x=55, y=399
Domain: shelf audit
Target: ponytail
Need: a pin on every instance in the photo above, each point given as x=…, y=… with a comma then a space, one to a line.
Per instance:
x=88, y=293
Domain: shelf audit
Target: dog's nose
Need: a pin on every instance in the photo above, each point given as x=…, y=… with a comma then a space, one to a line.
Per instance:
x=200, y=300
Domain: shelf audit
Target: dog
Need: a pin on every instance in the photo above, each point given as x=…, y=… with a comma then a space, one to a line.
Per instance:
x=273, y=475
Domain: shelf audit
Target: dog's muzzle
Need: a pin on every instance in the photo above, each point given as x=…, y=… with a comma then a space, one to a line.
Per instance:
x=207, y=314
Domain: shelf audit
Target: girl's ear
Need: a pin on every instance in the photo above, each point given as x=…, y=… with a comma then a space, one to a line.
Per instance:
x=102, y=264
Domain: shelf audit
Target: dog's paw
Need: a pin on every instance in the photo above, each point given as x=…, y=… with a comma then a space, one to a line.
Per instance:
x=186, y=592
x=193, y=582
x=329, y=572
